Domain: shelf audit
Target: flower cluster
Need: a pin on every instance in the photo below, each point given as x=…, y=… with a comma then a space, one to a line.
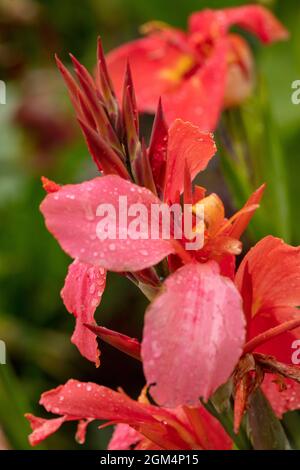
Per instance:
x=207, y=323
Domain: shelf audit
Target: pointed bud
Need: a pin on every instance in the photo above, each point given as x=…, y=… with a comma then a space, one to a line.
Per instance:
x=130, y=346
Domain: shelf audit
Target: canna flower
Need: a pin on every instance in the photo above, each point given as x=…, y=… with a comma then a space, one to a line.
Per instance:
x=151, y=176
x=199, y=72
x=141, y=425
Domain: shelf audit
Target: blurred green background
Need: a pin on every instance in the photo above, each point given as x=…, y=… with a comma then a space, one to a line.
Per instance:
x=39, y=136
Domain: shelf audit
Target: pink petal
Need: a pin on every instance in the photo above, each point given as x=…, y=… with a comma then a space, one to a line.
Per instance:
x=81, y=430
x=193, y=336
x=81, y=294
x=189, y=147
x=43, y=428
x=70, y=215
x=124, y=438
x=285, y=400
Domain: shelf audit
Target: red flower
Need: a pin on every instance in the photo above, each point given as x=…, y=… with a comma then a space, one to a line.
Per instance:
x=199, y=72
x=144, y=426
x=268, y=280
x=166, y=169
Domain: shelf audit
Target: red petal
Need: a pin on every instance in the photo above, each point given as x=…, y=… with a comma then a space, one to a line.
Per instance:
x=148, y=58
x=124, y=438
x=43, y=428
x=279, y=346
x=158, y=147
x=82, y=292
x=49, y=186
x=187, y=146
x=285, y=400
x=199, y=99
x=241, y=223
x=88, y=400
x=258, y=20
x=70, y=216
x=193, y=335
x=130, y=346
x=254, y=18
x=274, y=268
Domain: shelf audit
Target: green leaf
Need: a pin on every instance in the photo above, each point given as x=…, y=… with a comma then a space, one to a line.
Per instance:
x=265, y=430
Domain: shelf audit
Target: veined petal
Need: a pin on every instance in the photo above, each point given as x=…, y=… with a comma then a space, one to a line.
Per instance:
x=193, y=335
x=275, y=273
x=187, y=147
x=71, y=215
x=81, y=294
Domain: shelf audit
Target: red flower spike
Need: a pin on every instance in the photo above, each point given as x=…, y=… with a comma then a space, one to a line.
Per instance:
x=104, y=156
x=70, y=215
x=130, y=346
x=158, y=148
x=104, y=84
x=196, y=300
x=82, y=292
x=73, y=88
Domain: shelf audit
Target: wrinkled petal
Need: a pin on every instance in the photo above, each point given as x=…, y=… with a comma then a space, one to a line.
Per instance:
x=71, y=216
x=152, y=61
x=193, y=335
x=199, y=99
x=81, y=294
x=281, y=400
x=275, y=273
x=187, y=146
